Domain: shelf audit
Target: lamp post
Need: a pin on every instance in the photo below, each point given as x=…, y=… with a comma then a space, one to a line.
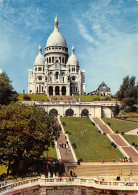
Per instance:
x=47, y=159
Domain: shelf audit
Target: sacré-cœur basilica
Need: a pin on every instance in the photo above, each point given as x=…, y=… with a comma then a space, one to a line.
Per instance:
x=56, y=73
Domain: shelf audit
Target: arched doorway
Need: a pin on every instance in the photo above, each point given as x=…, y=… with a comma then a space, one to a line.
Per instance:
x=53, y=112
x=57, y=90
x=50, y=90
x=84, y=112
x=69, y=112
x=63, y=90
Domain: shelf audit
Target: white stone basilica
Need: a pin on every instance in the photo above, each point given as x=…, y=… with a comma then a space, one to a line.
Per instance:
x=55, y=73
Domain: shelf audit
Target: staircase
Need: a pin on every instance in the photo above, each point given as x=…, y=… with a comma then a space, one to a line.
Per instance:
x=121, y=143
x=62, y=98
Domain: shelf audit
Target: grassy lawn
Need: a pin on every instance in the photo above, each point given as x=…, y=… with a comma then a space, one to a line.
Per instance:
x=35, y=97
x=120, y=126
x=90, y=98
x=131, y=139
x=90, y=146
x=133, y=119
x=51, y=153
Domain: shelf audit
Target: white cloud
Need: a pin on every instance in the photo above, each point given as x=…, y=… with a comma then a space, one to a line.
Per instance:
x=85, y=33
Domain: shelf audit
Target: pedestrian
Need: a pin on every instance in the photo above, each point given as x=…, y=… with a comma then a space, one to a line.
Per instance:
x=67, y=142
x=65, y=137
x=65, y=145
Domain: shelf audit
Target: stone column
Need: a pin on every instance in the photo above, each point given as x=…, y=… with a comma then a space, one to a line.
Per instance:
x=53, y=90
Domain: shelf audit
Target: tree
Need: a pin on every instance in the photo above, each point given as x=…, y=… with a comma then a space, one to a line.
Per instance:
x=25, y=133
x=7, y=93
x=116, y=110
x=128, y=93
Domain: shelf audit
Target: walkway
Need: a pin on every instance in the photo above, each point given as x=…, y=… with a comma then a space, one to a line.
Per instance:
x=121, y=143
x=64, y=146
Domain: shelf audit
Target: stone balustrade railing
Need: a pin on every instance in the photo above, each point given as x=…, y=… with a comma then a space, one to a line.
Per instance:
x=66, y=181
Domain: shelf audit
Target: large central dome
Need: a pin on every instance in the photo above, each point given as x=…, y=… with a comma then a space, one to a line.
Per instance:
x=56, y=38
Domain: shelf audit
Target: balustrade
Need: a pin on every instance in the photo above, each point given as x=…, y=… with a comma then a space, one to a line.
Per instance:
x=4, y=187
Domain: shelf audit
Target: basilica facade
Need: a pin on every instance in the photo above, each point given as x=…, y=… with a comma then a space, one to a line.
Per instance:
x=56, y=73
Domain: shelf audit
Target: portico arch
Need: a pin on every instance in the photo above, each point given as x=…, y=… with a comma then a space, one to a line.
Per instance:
x=69, y=112
x=50, y=90
x=63, y=90
x=53, y=112
x=84, y=112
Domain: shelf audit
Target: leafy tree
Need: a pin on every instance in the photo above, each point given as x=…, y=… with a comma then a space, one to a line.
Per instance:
x=116, y=110
x=25, y=133
x=128, y=93
x=7, y=93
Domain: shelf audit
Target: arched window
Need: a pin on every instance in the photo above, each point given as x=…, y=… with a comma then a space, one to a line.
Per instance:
x=63, y=90
x=50, y=90
x=73, y=78
x=39, y=69
x=56, y=75
x=57, y=90
x=52, y=59
x=49, y=59
x=63, y=60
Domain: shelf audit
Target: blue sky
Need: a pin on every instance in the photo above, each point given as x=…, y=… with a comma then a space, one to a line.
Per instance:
x=103, y=32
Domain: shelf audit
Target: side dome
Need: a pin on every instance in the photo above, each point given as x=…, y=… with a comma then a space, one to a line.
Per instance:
x=56, y=38
x=73, y=59
x=39, y=60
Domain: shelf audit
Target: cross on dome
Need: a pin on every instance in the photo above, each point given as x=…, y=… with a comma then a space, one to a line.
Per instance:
x=56, y=23
x=40, y=49
x=73, y=50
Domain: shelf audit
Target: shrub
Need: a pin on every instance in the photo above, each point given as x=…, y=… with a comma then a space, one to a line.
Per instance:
x=108, y=123
x=64, y=124
x=112, y=143
x=107, y=99
x=74, y=145
x=136, y=145
x=26, y=97
x=122, y=133
x=93, y=123
x=115, y=146
x=116, y=131
x=99, y=131
x=104, y=133
x=81, y=159
x=133, y=143
x=96, y=99
x=68, y=132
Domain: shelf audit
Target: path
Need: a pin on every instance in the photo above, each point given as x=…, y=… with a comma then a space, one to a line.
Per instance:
x=65, y=153
x=121, y=143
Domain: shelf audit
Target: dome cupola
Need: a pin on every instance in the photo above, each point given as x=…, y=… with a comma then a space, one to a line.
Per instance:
x=39, y=60
x=56, y=38
x=73, y=59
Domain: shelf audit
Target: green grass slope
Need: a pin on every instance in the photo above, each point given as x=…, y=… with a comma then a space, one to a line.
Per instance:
x=90, y=98
x=34, y=97
x=91, y=146
x=132, y=139
x=120, y=126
